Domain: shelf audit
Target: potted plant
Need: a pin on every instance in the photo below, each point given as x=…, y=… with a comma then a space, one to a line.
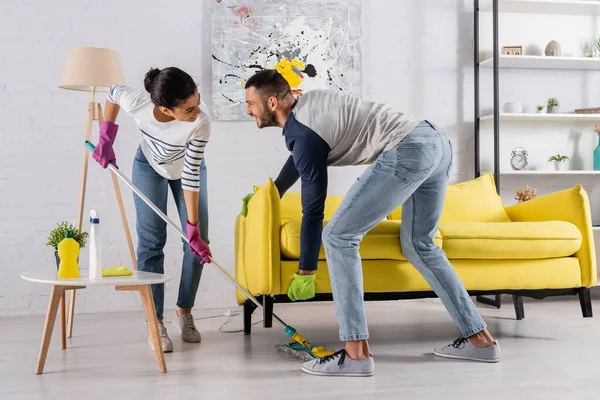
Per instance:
x=58, y=234
x=597, y=44
x=553, y=105
x=559, y=161
x=539, y=109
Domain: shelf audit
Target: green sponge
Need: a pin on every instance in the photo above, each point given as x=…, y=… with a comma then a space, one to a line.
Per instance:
x=302, y=287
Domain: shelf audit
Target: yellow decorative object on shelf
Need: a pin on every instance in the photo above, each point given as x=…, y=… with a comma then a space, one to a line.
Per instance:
x=115, y=271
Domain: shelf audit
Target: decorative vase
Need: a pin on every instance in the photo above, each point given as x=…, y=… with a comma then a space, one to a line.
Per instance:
x=597, y=155
x=512, y=107
x=553, y=109
x=553, y=49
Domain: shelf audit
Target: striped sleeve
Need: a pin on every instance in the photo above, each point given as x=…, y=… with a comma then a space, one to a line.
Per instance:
x=127, y=98
x=194, y=153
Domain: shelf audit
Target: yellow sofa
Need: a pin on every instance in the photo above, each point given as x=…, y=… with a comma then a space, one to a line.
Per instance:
x=538, y=248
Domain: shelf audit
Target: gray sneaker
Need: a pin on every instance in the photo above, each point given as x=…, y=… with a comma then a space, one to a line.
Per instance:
x=339, y=364
x=462, y=349
x=189, y=333
x=167, y=344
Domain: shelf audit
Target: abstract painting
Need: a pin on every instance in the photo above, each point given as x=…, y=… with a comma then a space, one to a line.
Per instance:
x=313, y=44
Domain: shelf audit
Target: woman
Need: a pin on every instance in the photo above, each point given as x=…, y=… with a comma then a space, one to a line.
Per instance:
x=175, y=128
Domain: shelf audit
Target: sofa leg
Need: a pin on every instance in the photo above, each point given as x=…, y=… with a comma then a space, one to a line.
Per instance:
x=267, y=302
x=519, y=309
x=249, y=308
x=497, y=302
x=585, y=299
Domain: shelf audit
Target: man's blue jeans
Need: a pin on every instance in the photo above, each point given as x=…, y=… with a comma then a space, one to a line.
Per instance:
x=413, y=174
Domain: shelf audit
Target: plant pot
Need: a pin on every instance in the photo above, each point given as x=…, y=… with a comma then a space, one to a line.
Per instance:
x=560, y=165
x=539, y=111
x=553, y=109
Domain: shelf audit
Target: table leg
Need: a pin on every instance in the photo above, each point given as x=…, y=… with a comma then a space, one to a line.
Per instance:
x=63, y=322
x=150, y=310
x=71, y=313
x=57, y=292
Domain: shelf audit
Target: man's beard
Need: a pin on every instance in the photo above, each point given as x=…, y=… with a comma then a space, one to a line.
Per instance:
x=267, y=119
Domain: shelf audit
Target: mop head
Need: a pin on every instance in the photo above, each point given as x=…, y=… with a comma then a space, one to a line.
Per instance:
x=299, y=352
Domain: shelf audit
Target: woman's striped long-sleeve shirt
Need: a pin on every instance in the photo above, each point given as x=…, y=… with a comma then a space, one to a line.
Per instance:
x=174, y=149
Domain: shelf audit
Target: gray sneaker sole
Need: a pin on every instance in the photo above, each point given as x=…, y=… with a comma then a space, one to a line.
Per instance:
x=455, y=357
x=348, y=374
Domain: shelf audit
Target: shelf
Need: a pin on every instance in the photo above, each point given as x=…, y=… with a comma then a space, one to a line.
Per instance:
x=550, y=172
x=544, y=62
x=547, y=7
x=545, y=117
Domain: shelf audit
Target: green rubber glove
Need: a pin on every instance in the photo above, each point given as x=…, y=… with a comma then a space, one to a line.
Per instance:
x=302, y=287
x=245, y=201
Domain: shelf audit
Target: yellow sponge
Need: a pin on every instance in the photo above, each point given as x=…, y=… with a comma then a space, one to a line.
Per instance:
x=115, y=271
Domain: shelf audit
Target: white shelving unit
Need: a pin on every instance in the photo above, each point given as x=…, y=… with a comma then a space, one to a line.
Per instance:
x=548, y=7
x=544, y=62
x=586, y=11
x=545, y=117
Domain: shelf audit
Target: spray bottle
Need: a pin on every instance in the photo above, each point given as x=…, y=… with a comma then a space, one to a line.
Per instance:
x=95, y=246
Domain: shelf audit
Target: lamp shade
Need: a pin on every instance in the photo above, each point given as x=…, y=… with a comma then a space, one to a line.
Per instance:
x=91, y=67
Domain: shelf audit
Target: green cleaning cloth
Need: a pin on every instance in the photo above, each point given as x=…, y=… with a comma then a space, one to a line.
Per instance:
x=245, y=201
x=115, y=271
x=302, y=287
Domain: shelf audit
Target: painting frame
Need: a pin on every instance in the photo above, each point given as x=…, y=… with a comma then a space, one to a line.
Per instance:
x=316, y=46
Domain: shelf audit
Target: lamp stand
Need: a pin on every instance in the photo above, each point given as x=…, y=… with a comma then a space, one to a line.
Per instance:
x=94, y=113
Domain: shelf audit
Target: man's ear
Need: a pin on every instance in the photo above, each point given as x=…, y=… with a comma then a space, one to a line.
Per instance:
x=272, y=103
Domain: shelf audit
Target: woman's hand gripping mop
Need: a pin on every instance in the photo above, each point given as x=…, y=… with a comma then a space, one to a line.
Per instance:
x=299, y=348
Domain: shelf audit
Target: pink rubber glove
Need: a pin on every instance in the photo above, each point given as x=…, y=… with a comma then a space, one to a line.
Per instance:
x=197, y=245
x=104, y=152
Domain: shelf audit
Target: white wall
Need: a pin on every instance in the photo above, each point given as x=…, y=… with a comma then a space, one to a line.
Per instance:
x=417, y=56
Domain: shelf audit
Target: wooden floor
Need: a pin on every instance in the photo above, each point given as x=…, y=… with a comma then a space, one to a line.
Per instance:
x=552, y=354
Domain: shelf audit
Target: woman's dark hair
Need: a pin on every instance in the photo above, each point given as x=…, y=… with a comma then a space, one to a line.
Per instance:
x=169, y=87
x=269, y=82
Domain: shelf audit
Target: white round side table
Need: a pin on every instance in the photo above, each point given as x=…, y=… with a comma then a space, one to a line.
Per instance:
x=139, y=281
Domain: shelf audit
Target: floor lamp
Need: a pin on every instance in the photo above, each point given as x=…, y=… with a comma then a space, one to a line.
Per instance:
x=90, y=69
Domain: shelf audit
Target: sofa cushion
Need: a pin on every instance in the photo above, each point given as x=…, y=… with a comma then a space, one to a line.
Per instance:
x=510, y=240
x=471, y=201
x=474, y=201
x=380, y=243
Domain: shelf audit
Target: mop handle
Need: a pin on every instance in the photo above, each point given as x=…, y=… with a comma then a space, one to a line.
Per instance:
x=177, y=229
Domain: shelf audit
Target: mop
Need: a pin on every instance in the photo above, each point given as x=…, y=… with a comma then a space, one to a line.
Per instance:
x=299, y=347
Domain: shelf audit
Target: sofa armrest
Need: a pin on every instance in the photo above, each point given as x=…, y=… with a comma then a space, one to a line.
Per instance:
x=571, y=205
x=257, y=249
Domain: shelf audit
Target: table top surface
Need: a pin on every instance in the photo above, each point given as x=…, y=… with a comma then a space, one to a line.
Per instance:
x=138, y=278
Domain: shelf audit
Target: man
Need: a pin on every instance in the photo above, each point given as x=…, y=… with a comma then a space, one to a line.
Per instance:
x=410, y=161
